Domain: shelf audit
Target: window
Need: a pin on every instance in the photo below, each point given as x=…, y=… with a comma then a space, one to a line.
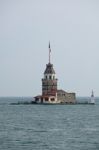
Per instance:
x=49, y=77
x=52, y=99
x=41, y=100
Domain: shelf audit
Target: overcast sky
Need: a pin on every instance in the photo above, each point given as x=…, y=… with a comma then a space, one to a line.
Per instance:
x=26, y=26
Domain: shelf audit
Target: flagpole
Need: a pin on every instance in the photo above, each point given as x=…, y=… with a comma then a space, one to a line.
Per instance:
x=49, y=56
x=49, y=52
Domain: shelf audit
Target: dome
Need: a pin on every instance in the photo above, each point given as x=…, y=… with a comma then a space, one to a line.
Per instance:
x=49, y=69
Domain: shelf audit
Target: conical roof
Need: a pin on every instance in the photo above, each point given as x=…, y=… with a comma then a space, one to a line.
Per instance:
x=49, y=69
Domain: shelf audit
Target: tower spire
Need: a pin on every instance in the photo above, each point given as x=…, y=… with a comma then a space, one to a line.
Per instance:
x=49, y=52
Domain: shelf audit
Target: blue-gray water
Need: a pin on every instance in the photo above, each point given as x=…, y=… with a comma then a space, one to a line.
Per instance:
x=48, y=127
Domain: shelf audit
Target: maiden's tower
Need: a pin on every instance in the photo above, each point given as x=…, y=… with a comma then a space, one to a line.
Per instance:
x=50, y=92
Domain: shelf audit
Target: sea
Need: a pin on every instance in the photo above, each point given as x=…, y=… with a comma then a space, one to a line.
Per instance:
x=48, y=127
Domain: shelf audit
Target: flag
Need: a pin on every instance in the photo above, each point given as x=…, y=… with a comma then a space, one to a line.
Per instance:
x=49, y=47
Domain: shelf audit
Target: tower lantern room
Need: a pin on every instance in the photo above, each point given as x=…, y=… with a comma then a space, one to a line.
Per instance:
x=49, y=81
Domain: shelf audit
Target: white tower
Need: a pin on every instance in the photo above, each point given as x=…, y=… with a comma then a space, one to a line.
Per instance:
x=92, y=101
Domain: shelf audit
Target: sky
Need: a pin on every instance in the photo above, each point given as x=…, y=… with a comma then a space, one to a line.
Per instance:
x=27, y=26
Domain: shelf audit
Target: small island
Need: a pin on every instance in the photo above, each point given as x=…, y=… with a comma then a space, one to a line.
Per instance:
x=50, y=92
